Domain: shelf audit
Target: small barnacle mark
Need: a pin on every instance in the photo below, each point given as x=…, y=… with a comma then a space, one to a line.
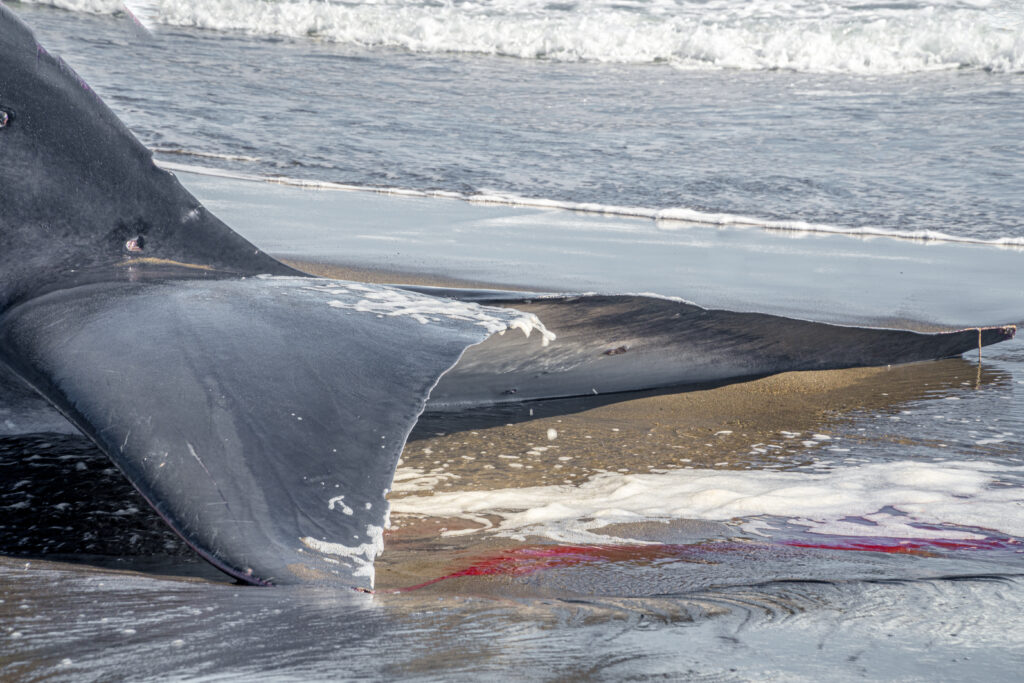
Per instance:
x=135, y=244
x=5, y=118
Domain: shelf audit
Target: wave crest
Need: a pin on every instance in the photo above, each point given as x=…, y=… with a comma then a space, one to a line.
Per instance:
x=800, y=36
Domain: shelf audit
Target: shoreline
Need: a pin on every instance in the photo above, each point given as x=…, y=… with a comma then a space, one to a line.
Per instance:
x=820, y=277
x=671, y=218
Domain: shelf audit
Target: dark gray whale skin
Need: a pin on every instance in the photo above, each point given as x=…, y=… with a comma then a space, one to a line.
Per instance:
x=263, y=417
x=77, y=185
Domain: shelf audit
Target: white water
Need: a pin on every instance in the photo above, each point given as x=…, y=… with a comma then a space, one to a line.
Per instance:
x=958, y=498
x=667, y=219
x=927, y=156
x=359, y=558
x=800, y=35
x=387, y=301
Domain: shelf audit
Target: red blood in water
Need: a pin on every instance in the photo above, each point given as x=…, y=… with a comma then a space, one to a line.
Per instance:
x=529, y=559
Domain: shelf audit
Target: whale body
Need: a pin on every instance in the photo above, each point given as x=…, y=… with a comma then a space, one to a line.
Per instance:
x=261, y=411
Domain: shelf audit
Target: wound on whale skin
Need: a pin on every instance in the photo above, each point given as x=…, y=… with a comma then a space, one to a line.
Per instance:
x=261, y=411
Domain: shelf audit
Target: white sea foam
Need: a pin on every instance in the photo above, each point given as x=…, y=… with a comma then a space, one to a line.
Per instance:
x=666, y=219
x=358, y=557
x=847, y=36
x=90, y=6
x=391, y=302
x=950, y=496
x=414, y=479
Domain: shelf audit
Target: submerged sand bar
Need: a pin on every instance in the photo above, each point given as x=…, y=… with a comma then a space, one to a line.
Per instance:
x=879, y=281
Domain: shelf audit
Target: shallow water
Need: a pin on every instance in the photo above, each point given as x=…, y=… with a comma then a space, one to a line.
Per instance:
x=93, y=587
x=792, y=629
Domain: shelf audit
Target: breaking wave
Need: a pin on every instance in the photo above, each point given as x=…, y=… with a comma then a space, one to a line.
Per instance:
x=799, y=35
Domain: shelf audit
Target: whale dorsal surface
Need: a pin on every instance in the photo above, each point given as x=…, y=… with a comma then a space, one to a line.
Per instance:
x=261, y=411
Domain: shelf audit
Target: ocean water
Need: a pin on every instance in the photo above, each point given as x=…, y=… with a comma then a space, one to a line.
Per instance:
x=871, y=528
x=892, y=117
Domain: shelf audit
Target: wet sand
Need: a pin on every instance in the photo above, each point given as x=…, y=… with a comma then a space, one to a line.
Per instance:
x=828, y=278
x=776, y=422
x=725, y=426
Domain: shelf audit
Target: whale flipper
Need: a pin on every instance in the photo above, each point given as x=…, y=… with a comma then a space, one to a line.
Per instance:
x=617, y=343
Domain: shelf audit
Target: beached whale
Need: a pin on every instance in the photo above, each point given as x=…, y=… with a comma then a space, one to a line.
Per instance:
x=262, y=411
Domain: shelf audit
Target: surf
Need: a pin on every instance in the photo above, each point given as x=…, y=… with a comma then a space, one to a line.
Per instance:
x=808, y=37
